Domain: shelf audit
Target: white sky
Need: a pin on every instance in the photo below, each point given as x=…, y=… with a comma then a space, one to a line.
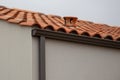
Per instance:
x=100, y=11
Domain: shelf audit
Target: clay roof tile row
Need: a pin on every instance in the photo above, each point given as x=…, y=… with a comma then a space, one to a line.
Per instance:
x=57, y=23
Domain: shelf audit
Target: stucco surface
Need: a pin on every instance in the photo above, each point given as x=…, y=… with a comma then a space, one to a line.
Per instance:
x=35, y=58
x=15, y=52
x=74, y=61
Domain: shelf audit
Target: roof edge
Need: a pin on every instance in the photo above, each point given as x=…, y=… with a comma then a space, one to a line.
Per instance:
x=76, y=38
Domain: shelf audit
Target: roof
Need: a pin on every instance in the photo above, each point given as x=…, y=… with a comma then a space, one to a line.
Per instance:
x=56, y=23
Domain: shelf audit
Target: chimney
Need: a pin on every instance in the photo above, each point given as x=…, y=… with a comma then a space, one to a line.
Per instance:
x=70, y=21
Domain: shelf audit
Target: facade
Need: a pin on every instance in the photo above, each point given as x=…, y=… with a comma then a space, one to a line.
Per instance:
x=36, y=46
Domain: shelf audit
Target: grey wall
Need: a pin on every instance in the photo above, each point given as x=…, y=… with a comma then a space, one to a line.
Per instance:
x=73, y=61
x=100, y=11
x=64, y=60
x=35, y=58
x=15, y=52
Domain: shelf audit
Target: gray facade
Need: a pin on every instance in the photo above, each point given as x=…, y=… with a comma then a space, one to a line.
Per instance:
x=64, y=60
x=76, y=61
x=15, y=52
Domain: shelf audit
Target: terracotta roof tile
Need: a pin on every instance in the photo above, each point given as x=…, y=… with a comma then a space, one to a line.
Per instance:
x=4, y=11
x=19, y=18
x=40, y=21
x=1, y=8
x=57, y=23
x=9, y=15
x=30, y=21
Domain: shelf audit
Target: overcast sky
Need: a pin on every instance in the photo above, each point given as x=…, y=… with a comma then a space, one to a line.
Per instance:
x=99, y=11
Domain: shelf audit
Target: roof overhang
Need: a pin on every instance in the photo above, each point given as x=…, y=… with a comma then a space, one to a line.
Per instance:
x=76, y=38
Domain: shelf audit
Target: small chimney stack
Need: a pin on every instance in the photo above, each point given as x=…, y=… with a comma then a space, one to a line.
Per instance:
x=70, y=21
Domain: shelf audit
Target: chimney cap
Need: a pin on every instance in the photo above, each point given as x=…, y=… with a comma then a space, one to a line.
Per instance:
x=70, y=17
